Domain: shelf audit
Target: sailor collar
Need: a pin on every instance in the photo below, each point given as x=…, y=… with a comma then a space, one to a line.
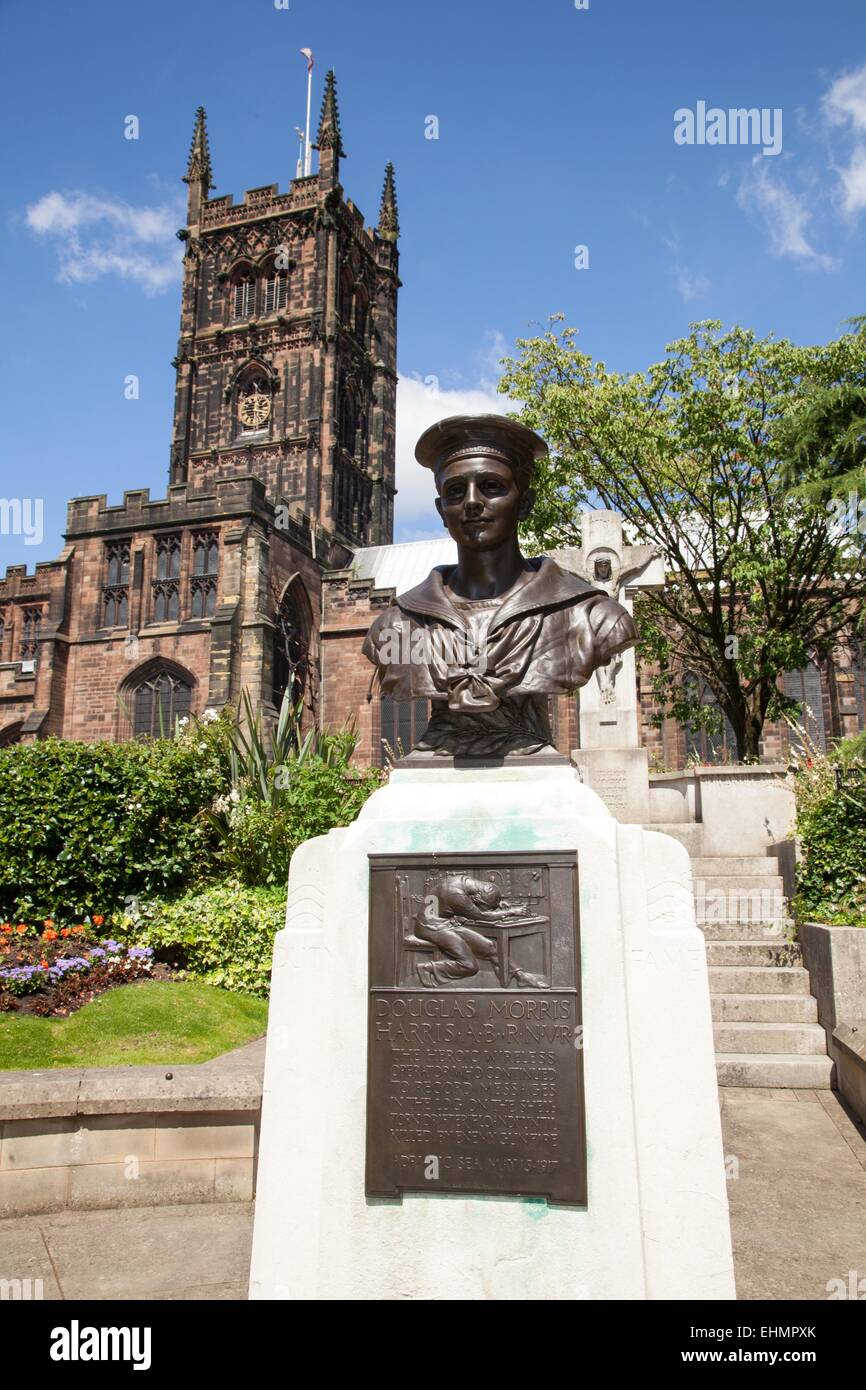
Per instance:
x=550, y=586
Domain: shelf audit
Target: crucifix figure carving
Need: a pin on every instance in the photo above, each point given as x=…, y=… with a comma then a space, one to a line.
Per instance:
x=608, y=705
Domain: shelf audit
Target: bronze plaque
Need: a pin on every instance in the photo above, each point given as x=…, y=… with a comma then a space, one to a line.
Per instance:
x=474, y=1072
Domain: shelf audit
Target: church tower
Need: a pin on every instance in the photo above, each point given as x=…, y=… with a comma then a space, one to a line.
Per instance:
x=287, y=357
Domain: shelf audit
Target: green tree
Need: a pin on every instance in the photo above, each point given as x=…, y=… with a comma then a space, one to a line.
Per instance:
x=822, y=440
x=759, y=576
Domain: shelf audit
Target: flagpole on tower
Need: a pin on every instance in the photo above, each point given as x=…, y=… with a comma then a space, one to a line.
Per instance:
x=308, y=149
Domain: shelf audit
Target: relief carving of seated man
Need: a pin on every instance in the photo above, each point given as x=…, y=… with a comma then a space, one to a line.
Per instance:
x=489, y=639
x=456, y=906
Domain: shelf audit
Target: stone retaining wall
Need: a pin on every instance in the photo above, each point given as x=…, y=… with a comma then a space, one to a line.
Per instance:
x=127, y=1137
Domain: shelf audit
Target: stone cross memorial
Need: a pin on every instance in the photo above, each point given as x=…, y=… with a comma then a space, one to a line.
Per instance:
x=490, y=1069
x=609, y=757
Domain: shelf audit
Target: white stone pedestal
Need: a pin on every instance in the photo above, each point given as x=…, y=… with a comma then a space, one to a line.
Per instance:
x=656, y=1223
x=620, y=776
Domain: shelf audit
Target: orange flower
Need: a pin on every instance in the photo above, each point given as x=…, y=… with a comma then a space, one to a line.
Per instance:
x=49, y=934
x=97, y=920
x=77, y=930
x=44, y=964
x=49, y=922
x=7, y=927
x=64, y=931
x=21, y=928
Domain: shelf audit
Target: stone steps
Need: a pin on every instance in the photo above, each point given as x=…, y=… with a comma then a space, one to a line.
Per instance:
x=765, y=1018
x=764, y=866
x=758, y=979
x=774, y=1070
x=687, y=832
x=755, y=953
x=793, y=1039
x=761, y=885
x=764, y=1008
x=773, y=933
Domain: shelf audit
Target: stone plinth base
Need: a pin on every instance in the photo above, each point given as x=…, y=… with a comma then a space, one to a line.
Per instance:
x=656, y=1221
x=620, y=776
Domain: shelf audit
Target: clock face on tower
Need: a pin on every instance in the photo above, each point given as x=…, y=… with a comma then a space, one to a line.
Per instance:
x=254, y=408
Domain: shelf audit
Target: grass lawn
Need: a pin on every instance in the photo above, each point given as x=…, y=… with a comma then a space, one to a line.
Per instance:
x=152, y=1021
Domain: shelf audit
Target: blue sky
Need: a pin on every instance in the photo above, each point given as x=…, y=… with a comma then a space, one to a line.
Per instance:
x=556, y=129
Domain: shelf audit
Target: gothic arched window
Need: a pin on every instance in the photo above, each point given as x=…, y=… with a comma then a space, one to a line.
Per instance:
x=205, y=572
x=345, y=299
x=348, y=420
x=30, y=633
x=362, y=313
x=166, y=585
x=403, y=723
x=160, y=700
x=291, y=645
x=11, y=734
x=709, y=747
x=804, y=686
x=859, y=673
x=275, y=289
x=243, y=293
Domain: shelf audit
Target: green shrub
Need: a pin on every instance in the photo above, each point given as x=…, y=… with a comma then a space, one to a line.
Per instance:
x=83, y=826
x=285, y=789
x=222, y=934
x=831, y=825
x=259, y=838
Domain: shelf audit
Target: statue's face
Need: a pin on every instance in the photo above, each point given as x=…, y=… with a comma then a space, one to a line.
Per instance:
x=603, y=570
x=481, y=502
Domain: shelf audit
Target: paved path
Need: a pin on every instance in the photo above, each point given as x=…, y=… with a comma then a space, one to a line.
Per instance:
x=798, y=1205
x=798, y=1215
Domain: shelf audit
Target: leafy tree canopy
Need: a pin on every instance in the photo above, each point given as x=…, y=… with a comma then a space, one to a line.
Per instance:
x=697, y=454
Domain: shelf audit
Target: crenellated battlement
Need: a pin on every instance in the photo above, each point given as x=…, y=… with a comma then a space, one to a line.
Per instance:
x=233, y=497
x=17, y=582
x=259, y=202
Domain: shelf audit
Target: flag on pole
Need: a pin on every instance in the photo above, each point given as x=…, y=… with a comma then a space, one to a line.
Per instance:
x=308, y=54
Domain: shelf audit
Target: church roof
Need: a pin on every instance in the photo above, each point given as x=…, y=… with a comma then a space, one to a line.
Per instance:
x=401, y=567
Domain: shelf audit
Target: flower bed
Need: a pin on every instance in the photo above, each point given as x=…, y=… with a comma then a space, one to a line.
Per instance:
x=54, y=971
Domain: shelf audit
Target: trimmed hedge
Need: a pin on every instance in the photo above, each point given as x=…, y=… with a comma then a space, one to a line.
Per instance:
x=84, y=826
x=222, y=934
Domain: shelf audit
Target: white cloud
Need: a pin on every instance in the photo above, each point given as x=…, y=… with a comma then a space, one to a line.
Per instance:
x=94, y=237
x=844, y=105
x=418, y=406
x=784, y=215
x=845, y=101
x=853, y=177
x=690, y=285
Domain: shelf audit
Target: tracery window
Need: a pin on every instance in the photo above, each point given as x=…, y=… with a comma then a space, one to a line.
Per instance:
x=708, y=747
x=115, y=593
x=160, y=701
x=243, y=291
x=291, y=648
x=166, y=585
x=30, y=633
x=205, y=571
x=403, y=723
x=353, y=494
x=275, y=290
x=804, y=686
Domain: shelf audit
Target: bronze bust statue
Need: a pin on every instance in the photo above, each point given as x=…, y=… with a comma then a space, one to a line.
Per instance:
x=489, y=639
